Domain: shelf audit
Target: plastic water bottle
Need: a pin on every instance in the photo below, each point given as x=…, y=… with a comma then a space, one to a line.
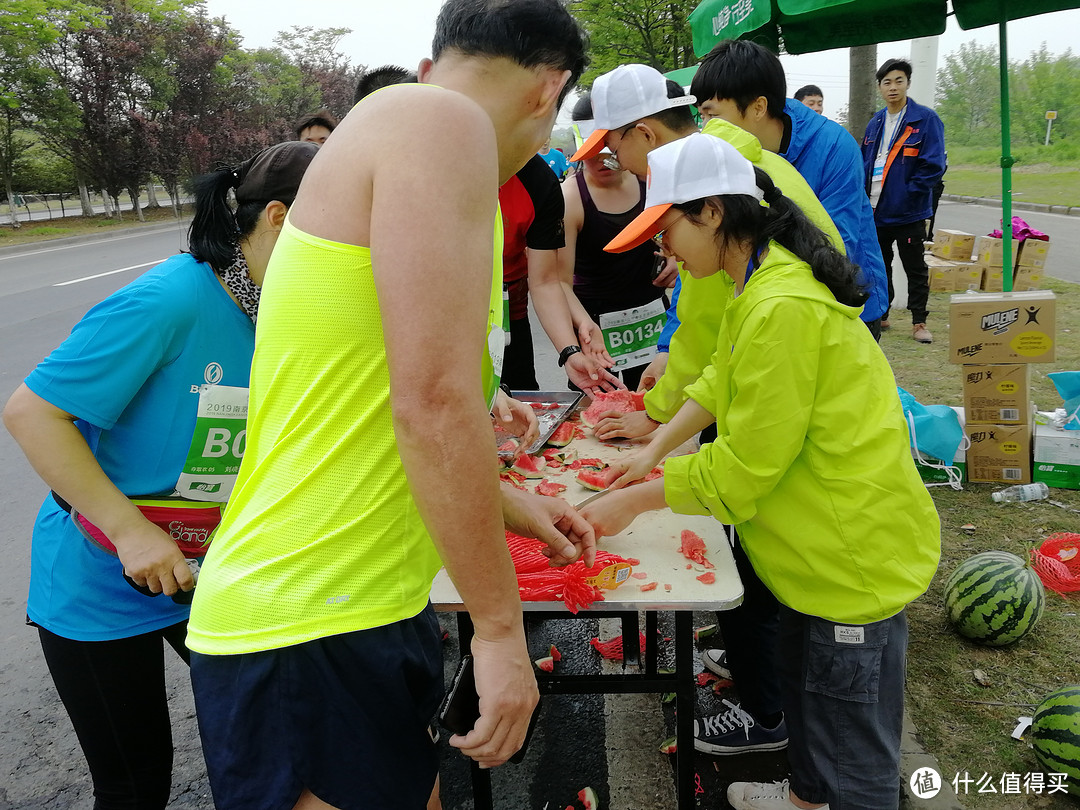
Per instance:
x=1022, y=492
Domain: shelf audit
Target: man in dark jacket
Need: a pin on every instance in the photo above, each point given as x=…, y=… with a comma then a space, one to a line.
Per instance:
x=904, y=159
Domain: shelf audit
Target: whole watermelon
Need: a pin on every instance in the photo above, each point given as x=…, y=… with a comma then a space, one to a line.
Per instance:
x=1055, y=735
x=994, y=598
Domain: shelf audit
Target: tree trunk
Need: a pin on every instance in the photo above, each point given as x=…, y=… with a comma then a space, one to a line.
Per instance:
x=133, y=193
x=863, y=97
x=10, y=201
x=107, y=202
x=151, y=195
x=84, y=199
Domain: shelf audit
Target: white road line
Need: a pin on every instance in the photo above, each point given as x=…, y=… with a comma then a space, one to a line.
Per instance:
x=108, y=273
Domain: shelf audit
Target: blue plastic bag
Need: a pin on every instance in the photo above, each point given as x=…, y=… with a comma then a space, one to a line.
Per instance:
x=1068, y=386
x=935, y=429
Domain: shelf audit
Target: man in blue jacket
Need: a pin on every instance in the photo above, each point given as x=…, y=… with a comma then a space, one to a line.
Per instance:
x=744, y=83
x=903, y=160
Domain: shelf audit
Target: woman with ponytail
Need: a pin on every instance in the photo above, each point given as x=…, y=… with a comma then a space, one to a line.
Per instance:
x=136, y=423
x=811, y=465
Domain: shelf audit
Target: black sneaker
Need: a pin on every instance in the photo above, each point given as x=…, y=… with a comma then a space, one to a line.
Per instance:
x=735, y=731
x=716, y=662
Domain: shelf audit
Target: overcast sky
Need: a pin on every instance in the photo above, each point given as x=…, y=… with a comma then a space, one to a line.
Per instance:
x=400, y=31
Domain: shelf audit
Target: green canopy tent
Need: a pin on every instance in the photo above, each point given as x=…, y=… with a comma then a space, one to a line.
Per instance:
x=805, y=26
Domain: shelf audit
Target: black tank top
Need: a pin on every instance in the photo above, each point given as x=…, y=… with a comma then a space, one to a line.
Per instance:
x=609, y=282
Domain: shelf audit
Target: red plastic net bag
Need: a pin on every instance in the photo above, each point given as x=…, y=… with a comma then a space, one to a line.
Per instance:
x=539, y=582
x=1057, y=562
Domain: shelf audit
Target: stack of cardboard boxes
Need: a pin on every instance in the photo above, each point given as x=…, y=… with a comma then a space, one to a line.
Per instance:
x=994, y=337
x=960, y=261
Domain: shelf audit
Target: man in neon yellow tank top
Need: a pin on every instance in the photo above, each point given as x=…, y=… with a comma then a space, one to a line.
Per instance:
x=369, y=459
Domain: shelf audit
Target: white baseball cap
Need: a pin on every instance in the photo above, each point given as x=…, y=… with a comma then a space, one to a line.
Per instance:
x=688, y=169
x=624, y=95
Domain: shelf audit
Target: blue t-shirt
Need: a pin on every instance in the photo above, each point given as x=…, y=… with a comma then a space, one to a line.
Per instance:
x=131, y=372
x=557, y=161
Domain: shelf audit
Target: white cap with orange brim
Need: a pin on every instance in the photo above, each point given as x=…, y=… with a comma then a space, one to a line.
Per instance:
x=690, y=168
x=626, y=94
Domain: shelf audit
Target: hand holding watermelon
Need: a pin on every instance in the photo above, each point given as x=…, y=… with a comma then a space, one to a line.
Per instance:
x=517, y=419
x=614, y=425
x=635, y=467
x=613, y=512
x=507, y=689
x=553, y=521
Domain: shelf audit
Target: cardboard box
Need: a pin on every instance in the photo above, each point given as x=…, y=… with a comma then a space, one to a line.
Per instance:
x=941, y=274
x=999, y=453
x=1014, y=327
x=993, y=278
x=967, y=276
x=1057, y=457
x=1033, y=253
x=1028, y=278
x=988, y=251
x=998, y=394
x=953, y=245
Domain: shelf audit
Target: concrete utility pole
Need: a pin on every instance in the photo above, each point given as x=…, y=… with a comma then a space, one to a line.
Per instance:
x=863, y=97
x=924, y=59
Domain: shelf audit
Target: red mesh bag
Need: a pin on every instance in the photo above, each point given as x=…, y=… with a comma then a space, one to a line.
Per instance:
x=539, y=582
x=1057, y=562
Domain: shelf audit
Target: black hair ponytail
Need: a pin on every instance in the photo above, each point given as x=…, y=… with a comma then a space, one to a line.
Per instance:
x=746, y=220
x=216, y=229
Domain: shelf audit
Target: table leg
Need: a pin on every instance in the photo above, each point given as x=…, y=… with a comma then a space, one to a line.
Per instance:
x=652, y=643
x=631, y=639
x=685, y=706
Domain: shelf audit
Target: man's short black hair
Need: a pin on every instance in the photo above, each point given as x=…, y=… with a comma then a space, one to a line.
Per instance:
x=319, y=118
x=532, y=33
x=381, y=77
x=808, y=90
x=741, y=71
x=677, y=119
x=582, y=108
x=891, y=65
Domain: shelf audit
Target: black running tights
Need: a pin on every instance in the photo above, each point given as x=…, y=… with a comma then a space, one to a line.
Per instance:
x=114, y=692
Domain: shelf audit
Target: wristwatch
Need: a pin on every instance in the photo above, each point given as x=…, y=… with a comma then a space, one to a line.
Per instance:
x=566, y=353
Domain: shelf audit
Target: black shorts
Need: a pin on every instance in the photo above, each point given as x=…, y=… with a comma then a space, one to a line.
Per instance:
x=347, y=717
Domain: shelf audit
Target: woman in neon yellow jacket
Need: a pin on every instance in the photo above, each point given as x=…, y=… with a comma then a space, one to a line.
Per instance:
x=811, y=464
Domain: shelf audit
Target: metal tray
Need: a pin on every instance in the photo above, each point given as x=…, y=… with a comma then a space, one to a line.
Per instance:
x=549, y=419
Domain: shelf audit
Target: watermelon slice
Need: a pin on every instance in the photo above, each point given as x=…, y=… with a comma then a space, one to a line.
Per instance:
x=654, y=473
x=648, y=586
x=618, y=401
x=704, y=632
x=550, y=488
x=587, y=796
x=708, y=578
x=669, y=746
x=693, y=548
x=705, y=678
x=598, y=479
x=529, y=466
x=554, y=654
x=546, y=664
x=562, y=436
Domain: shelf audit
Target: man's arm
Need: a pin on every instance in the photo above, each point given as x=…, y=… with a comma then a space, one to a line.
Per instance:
x=434, y=325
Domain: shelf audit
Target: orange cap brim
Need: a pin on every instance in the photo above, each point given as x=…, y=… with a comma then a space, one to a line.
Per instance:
x=643, y=228
x=592, y=146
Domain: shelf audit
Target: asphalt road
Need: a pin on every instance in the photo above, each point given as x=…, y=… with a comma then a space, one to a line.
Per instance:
x=606, y=742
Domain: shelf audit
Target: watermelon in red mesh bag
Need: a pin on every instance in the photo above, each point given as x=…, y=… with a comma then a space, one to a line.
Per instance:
x=1057, y=562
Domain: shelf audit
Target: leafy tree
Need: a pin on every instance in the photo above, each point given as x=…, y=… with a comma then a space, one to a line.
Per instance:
x=328, y=80
x=1045, y=82
x=968, y=95
x=650, y=32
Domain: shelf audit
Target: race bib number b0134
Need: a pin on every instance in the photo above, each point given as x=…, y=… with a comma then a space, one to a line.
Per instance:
x=217, y=445
x=632, y=334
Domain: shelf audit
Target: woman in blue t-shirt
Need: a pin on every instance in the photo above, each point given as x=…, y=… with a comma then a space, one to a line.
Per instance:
x=146, y=397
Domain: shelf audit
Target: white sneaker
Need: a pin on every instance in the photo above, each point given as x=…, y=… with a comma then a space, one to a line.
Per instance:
x=761, y=796
x=716, y=662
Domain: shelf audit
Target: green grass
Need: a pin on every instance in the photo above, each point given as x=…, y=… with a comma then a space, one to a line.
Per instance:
x=968, y=726
x=1036, y=184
